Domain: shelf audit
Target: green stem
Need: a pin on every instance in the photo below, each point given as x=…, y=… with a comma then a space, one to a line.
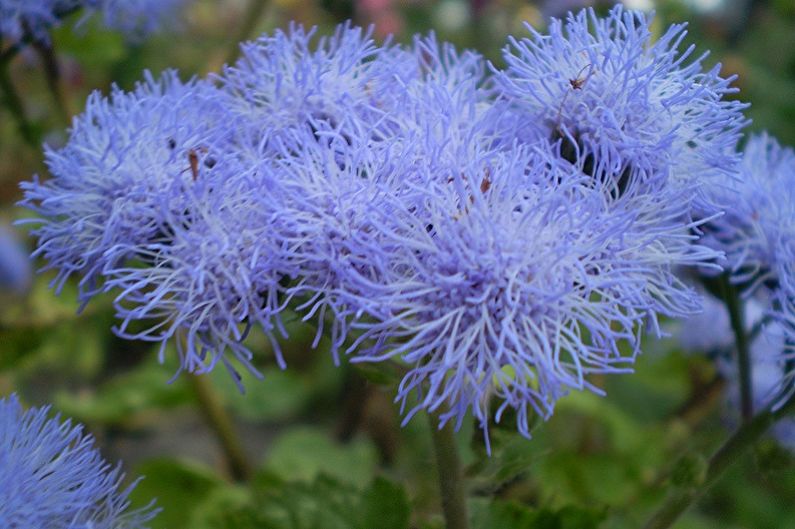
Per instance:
x=14, y=104
x=52, y=73
x=451, y=478
x=221, y=424
x=251, y=17
x=744, y=438
x=735, y=307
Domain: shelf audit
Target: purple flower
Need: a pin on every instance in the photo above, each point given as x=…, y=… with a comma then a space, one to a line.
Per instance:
x=213, y=274
x=711, y=332
x=15, y=269
x=52, y=476
x=128, y=161
x=758, y=226
x=285, y=82
x=604, y=88
x=512, y=285
x=137, y=18
x=34, y=17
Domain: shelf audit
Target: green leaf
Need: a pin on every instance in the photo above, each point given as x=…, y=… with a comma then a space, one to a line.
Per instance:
x=512, y=514
x=303, y=453
x=326, y=503
x=386, y=505
x=179, y=487
x=115, y=402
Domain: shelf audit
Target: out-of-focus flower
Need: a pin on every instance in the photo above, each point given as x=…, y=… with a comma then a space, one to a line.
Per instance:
x=758, y=226
x=15, y=269
x=137, y=18
x=633, y=106
x=34, y=17
x=711, y=332
x=134, y=18
x=52, y=476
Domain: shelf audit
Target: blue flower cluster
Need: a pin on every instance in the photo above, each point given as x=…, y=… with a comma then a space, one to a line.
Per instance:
x=52, y=476
x=34, y=18
x=504, y=234
x=757, y=234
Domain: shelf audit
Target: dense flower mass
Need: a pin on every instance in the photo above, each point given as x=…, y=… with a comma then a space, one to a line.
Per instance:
x=53, y=477
x=625, y=102
x=502, y=234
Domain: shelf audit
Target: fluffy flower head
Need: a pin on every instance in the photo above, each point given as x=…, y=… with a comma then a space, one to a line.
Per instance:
x=53, y=477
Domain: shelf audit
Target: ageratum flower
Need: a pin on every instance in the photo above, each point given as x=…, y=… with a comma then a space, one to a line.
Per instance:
x=711, y=332
x=758, y=226
x=128, y=162
x=606, y=90
x=329, y=209
x=509, y=287
x=213, y=274
x=137, y=18
x=33, y=17
x=438, y=102
x=15, y=269
x=283, y=82
x=53, y=477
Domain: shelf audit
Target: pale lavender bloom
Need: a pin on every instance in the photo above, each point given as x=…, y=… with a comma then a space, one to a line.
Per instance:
x=513, y=285
x=137, y=18
x=758, y=226
x=125, y=153
x=53, y=477
x=213, y=274
x=15, y=269
x=287, y=82
x=711, y=332
x=33, y=17
x=628, y=102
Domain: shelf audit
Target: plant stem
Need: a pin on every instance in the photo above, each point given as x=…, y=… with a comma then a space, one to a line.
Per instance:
x=451, y=479
x=52, y=72
x=13, y=102
x=221, y=424
x=745, y=437
x=735, y=307
x=251, y=17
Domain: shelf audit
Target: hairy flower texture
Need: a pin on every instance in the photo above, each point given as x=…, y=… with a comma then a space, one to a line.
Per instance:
x=439, y=102
x=758, y=227
x=330, y=208
x=126, y=156
x=19, y=18
x=283, y=83
x=53, y=477
x=510, y=291
x=630, y=104
x=213, y=275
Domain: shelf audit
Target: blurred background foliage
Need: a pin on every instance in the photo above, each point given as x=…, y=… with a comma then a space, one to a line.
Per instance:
x=325, y=442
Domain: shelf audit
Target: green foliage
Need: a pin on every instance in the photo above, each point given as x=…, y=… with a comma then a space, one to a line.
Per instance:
x=303, y=454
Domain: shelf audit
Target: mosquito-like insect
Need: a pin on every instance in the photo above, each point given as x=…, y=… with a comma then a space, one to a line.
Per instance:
x=576, y=83
x=194, y=157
